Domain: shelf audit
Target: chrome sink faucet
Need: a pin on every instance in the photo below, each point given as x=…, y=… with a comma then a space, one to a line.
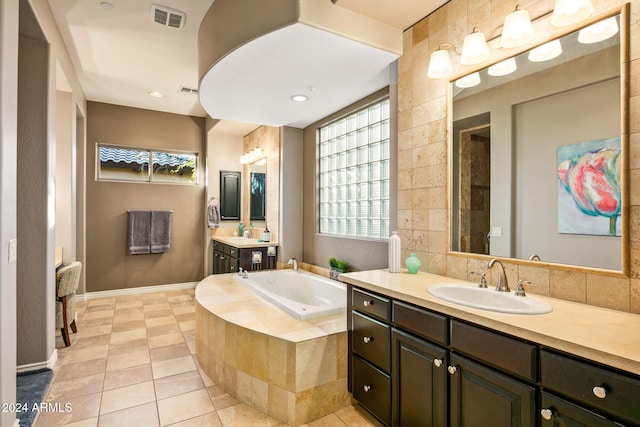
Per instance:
x=294, y=262
x=503, y=286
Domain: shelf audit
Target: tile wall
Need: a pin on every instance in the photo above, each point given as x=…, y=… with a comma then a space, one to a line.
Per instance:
x=422, y=154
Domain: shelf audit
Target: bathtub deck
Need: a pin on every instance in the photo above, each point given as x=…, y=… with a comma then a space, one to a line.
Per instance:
x=293, y=370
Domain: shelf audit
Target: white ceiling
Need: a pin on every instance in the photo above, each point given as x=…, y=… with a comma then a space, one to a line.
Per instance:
x=120, y=54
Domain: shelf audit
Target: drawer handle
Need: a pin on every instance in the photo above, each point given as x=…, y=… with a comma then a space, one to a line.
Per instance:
x=437, y=362
x=546, y=413
x=367, y=303
x=452, y=369
x=367, y=388
x=367, y=340
x=600, y=392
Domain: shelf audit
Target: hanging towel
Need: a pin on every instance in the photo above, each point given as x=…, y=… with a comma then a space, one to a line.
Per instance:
x=160, y=231
x=139, y=237
x=213, y=213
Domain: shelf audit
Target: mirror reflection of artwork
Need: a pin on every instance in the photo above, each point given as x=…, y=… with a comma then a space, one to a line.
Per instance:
x=589, y=190
x=258, y=195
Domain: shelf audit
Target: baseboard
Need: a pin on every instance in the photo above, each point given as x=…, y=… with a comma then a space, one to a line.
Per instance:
x=132, y=291
x=47, y=364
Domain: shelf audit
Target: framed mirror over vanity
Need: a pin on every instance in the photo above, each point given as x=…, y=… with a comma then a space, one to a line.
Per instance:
x=538, y=151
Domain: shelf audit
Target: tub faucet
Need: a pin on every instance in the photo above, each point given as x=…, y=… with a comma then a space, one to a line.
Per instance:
x=503, y=286
x=294, y=262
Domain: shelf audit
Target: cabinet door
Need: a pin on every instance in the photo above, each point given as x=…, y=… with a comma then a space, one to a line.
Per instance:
x=372, y=389
x=557, y=412
x=482, y=397
x=230, y=194
x=216, y=263
x=419, y=378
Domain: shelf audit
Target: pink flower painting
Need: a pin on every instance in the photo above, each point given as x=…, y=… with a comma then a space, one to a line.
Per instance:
x=589, y=176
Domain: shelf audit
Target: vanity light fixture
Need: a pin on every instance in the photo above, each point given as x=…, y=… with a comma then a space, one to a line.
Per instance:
x=299, y=98
x=517, y=29
x=503, y=68
x=470, y=80
x=599, y=31
x=440, y=62
x=546, y=51
x=569, y=12
x=474, y=48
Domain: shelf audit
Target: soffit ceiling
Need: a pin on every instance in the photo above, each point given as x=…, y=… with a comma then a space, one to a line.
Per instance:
x=120, y=54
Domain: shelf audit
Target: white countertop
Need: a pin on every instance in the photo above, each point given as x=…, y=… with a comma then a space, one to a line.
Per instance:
x=242, y=242
x=603, y=335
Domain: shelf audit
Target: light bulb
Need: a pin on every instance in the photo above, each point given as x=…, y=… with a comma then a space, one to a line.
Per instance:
x=474, y=49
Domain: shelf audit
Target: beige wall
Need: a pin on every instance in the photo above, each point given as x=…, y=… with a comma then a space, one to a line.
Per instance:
x=8, y=185
x=65, y=176
x=109, y=266
x=422, y=156
x=318, y=248
x=268, y=139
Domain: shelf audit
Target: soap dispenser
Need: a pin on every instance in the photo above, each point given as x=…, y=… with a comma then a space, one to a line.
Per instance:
x=266, y=235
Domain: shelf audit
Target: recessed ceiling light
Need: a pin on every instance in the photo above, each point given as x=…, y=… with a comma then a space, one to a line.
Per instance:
x=106, y=5
x=155, y=94
x=299, y=98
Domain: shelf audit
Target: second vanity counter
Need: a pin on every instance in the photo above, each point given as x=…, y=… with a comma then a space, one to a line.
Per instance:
x=602, y=335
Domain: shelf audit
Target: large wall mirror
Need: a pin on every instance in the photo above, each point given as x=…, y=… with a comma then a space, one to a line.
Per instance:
x=537, y=153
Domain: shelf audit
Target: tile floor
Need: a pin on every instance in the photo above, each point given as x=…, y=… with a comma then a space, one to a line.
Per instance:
x=132, y=363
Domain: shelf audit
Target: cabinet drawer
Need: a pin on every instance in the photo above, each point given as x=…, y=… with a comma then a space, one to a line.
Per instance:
x=560, y=413
x=372, y=389
x=508, y=354
x=372, y=304
x=576, y=380
x=232, y=251
x=422, y=322
x=371, y=340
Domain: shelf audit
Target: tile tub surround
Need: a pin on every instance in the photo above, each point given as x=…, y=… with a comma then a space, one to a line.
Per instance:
x=294, y=371
x=599, y=334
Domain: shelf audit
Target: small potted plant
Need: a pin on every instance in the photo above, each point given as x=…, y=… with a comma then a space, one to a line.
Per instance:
x=337, y=266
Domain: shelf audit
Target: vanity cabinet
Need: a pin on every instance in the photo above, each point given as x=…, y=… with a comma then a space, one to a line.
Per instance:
x=370, y=358
x=436, y=371
x=229, y=259
x=580, y=393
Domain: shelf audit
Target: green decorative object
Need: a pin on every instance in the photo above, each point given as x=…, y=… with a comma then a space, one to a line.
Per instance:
x=412, y=263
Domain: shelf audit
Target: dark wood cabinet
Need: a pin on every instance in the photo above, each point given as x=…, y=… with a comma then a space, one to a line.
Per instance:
x=230, y=185
x=419, y=381
x=557, y=412
x=229, y=259
x=596, y=390
x=410, y=366
x=483, y=397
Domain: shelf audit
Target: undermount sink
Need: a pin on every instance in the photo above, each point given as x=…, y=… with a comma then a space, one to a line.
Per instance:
x=489, y=299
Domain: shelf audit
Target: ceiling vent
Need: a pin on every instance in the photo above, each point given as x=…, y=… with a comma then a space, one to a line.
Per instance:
x=168, y=17
x=187, y=91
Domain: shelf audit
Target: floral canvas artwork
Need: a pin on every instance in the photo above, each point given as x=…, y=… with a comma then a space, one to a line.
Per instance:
x=589, y=188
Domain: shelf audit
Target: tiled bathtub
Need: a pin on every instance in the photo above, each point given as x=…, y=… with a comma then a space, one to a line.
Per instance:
x=292, y=370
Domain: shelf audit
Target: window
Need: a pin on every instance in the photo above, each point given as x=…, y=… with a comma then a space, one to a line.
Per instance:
x=132, y=164
x=354, y=173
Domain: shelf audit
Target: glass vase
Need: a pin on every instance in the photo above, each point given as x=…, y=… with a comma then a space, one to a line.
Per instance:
x=412, y=263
